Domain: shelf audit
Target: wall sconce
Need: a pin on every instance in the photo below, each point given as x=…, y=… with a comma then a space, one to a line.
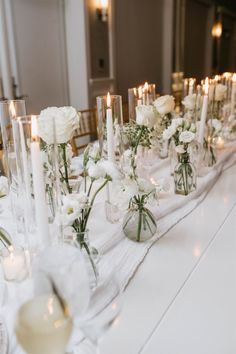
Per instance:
x=102, y=10
x=217, y=29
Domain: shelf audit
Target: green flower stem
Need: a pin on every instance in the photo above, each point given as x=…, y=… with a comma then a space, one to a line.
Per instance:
x=138, y=140
x=66, y=178
x=90, y=187
x=139, y=224
x=4, y=239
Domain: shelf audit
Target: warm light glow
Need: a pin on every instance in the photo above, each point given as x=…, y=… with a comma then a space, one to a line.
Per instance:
x=135, y=92
x=191, y=82
x=12, y=110
x=108, y=100
x=234, y=77
x=206, y=86
x=217, y=29
x=140, y=92
x=220, y=143
x=227, y=76
x=104, y=4
x=50, y=305
x=34, y=127
x=145, y=87
x=217, y=78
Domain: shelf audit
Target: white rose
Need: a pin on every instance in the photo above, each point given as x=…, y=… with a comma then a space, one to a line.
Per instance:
x=3, y=186
x=145, y=115
x=180, y=149
x=66, y=121
x=186, y=136
x=164, y=104
x=96, y=171
x=220, y=92
x=216, y=124
x=190, y=101
x=70, y=209
x=168, y=133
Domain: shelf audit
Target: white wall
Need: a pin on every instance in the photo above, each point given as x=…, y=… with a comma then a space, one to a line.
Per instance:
x=40, y=52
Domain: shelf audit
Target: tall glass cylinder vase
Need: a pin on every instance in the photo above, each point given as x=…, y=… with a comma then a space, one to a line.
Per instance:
x=31, y=174
x=110, y=130
x=142, y=95
x=8, y=111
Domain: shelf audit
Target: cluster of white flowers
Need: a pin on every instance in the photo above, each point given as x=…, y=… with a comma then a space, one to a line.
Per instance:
x=192, y=101
x=57, y=124
x=72, y=207
x=183, y=133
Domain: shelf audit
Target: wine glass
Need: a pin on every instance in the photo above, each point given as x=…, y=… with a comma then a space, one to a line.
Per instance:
x=104, y=308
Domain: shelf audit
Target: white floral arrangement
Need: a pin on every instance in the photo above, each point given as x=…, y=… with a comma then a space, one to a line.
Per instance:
x=182, y=132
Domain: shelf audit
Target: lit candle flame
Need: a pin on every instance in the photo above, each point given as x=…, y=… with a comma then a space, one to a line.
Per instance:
x=34, y=127
x=234, y=77
x=217, y=78
x=12, y=110
x=108, y=100
x=227, y=75
x=191, y=82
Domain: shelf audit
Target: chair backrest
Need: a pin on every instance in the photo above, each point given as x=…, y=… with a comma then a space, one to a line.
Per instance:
x=87, y=131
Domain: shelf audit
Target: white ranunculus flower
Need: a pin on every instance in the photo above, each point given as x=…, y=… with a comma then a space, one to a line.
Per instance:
x=164, y=104
x=3, y=186
x=96, y=171
x=70, y=209
x=190, y=101
x=180, y=149
x=216, y=124
x=145, y=115
x=66, y=121
x=220, y=92
x=110, y=169
x=145, y=186
x=186, y=136
x=169, y=132
x=122, y=191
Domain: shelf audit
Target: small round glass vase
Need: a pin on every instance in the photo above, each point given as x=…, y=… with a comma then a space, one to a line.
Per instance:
x=139, y=224
x=184, y=175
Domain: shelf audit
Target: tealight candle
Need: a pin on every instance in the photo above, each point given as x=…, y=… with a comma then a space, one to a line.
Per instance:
x=220, y=143
x=14, y=264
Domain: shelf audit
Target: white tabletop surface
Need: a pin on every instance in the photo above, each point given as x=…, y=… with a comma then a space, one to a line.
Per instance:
x=182, y=299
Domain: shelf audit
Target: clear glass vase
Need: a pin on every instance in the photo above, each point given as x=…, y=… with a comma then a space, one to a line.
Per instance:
x=209, y=156
x=139, y=224
x=184, y=175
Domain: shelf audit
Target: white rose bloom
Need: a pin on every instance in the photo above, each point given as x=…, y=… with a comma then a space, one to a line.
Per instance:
x=168, y=133
x=164, y=104
x=145, y=186
x=220, y=92
x=180, y=149
x=66, y=121
x=216, y=124
x=186, y=136
x=190, y=101
x=145, y=115
x=3, y=186
x=70, y=209
x=96, y=171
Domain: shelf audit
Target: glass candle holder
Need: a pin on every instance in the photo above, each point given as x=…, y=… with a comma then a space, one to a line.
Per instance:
x=14, y=264
x=142, y=95
x=110, y=126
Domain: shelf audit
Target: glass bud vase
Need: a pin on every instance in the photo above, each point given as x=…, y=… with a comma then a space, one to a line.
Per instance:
x=184, y=175
x=209, y=155
x=139, y=224
x=91, y=255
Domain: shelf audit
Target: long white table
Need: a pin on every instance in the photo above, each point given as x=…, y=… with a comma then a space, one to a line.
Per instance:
x=182, y=298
